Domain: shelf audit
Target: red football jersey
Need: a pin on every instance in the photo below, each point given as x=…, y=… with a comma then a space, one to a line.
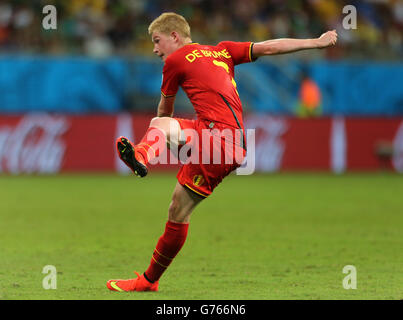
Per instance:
x=206, y=74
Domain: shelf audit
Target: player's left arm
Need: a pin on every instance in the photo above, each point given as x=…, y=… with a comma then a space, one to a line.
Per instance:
x=281, y=46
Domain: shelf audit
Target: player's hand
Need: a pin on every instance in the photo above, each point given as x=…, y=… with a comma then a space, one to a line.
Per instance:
x=327, y=39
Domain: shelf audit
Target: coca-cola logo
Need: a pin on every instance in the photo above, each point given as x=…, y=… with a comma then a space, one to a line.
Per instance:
x=34, y=145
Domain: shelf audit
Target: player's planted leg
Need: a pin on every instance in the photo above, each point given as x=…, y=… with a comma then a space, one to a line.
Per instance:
x=138, y=284
x=168, y=245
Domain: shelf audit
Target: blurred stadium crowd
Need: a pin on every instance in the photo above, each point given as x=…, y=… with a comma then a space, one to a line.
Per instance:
x=101, y=28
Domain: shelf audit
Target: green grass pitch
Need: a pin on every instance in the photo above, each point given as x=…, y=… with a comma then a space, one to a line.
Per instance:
x=279, y=236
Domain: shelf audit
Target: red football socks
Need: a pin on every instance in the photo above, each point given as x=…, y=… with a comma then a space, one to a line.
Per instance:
x=152, y=144
x=168, y=246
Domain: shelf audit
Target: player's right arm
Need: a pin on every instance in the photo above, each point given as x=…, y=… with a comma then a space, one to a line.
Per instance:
x=281, y=46
x=171, y=79
x=166, y=106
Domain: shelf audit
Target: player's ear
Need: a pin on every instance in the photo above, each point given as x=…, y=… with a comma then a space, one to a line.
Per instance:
x=175, y=36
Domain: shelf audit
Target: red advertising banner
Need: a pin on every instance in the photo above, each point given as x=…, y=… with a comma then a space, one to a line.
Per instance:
x=43, y=143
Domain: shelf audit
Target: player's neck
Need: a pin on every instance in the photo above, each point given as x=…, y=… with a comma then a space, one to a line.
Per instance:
x=185, y=42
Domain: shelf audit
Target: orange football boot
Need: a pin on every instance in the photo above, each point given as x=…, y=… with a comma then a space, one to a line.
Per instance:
x=128, y=155
x=138, y=284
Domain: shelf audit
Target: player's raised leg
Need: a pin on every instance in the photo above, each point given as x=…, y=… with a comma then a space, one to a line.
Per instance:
x=168, y=246
x=162, y=131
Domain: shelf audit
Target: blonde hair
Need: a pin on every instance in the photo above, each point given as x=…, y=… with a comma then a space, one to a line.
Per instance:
x=169, y=22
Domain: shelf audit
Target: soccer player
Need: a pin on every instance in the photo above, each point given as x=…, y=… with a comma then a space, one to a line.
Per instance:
x=206, y=74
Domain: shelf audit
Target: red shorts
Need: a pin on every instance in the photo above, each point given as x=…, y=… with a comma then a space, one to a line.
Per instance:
x=202, y=177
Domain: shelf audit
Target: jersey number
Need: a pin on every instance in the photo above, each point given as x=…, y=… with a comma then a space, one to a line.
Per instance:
x=225, y=66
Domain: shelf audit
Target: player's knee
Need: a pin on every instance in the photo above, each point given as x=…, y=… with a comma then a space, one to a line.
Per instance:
x=160, y=122
x=154, y=121
x=169, y=126
x=173, y=208
x=176, y=211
